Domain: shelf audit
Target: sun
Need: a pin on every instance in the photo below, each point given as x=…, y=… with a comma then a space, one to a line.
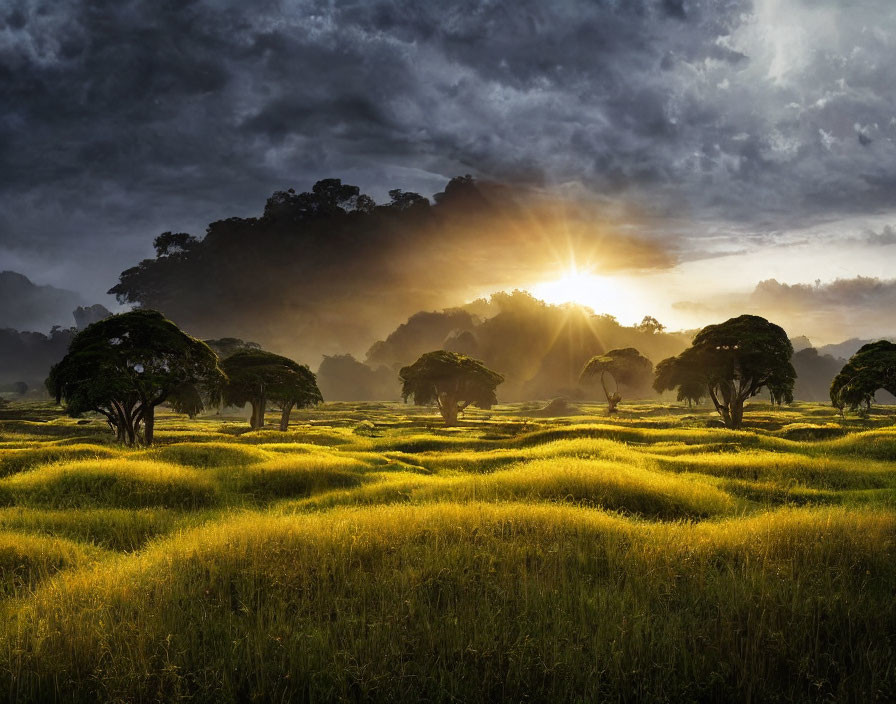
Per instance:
x=603, y=294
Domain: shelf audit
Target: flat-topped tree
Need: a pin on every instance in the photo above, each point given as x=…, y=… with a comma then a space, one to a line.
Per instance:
x=870, y=369
x=257, y=377
x=733, y=361
x=624, y=366
x=126, y=365
x=452, y=381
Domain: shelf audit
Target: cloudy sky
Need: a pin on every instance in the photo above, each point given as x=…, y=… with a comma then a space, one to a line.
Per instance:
x=749, y=139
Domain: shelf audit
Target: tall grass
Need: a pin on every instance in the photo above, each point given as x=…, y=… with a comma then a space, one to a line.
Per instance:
x=640, y=558
x=12, y=461
x=296, y=475
x=112, y=528
x=475, y=603
x=111, y=484
x=26, y=560
x=603, y=484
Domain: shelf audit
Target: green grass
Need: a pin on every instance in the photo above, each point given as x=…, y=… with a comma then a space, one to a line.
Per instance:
x=110, y=484
x=208, y=454
x=646, y=557
x=27, y=560
x=13, y=461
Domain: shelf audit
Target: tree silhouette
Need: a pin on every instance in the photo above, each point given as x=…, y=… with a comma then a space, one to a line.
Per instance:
x=226, y=346
x=734, y=361
x=872, y=368
x=126, y=365
x=650, y=325
x=814, y=374
x=452, y=381
x=670, y=374
x=257, y=377
x=625, y=366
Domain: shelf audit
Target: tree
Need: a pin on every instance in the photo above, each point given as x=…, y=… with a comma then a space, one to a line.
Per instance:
x=734, y=361
x=870, y=369
x=226, y=346
x=650, y=325
x=126, y=365
x=257, y=377
x=626, y=366
x=341, y=377
x=814, y=374
x=452, y=381
x=404, y=200
x=172, y=243
x=670, y=374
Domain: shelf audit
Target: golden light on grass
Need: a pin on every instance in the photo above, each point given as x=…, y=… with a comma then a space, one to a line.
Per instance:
x=539, y=555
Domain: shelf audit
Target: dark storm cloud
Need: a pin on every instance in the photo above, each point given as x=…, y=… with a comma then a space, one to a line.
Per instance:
x=886, y=236
x=119, y=120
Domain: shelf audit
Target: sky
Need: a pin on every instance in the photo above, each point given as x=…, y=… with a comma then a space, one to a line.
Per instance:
x=753, y=142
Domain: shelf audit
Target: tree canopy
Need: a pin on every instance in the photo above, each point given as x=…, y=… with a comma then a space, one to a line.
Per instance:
x=126, y=365
x=672, y=374
x=870, y=369
x=450, y=380
x=625, y=366
x=226, y=346
x=257, y=377
x=733, y=361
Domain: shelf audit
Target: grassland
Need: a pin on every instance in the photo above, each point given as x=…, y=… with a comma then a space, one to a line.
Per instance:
x=370, y=554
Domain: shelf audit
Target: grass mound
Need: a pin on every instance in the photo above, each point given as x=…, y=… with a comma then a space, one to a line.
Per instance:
x=556, y=408
x=810, y=431
x=111, y=484
x=621, y=433
x=873, y=444
x=597, y=483
x=12, y=461
x=608, y=485
x=785, y=468
x=309, y=436
x=26, y=560
x=115, y=529
x=298, y=475
x=511, y=602
x=208, y=454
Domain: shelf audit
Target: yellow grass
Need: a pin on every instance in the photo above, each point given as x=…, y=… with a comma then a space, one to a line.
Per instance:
x=368, y=554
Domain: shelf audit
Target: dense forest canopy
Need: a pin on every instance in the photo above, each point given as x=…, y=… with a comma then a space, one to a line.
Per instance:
x=328, y=271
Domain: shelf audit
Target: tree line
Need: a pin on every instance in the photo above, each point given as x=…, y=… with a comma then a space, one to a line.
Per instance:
x=125, y=366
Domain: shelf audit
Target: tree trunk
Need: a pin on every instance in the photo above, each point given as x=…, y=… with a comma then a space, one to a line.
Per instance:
x=262, y=407
x=736, y=414
x=730, y=407
x=149, y=424
x=284, y=417
x=130, y=433
x=613, y=399
x=448, y=408
x=256, y=422
x=449, y=413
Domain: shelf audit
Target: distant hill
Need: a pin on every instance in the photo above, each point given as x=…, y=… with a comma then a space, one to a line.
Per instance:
x=846, y=349
x=800, y=343
x=25, y=305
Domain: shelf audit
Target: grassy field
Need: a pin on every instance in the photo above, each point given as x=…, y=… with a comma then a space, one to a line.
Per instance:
x=370, y=554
